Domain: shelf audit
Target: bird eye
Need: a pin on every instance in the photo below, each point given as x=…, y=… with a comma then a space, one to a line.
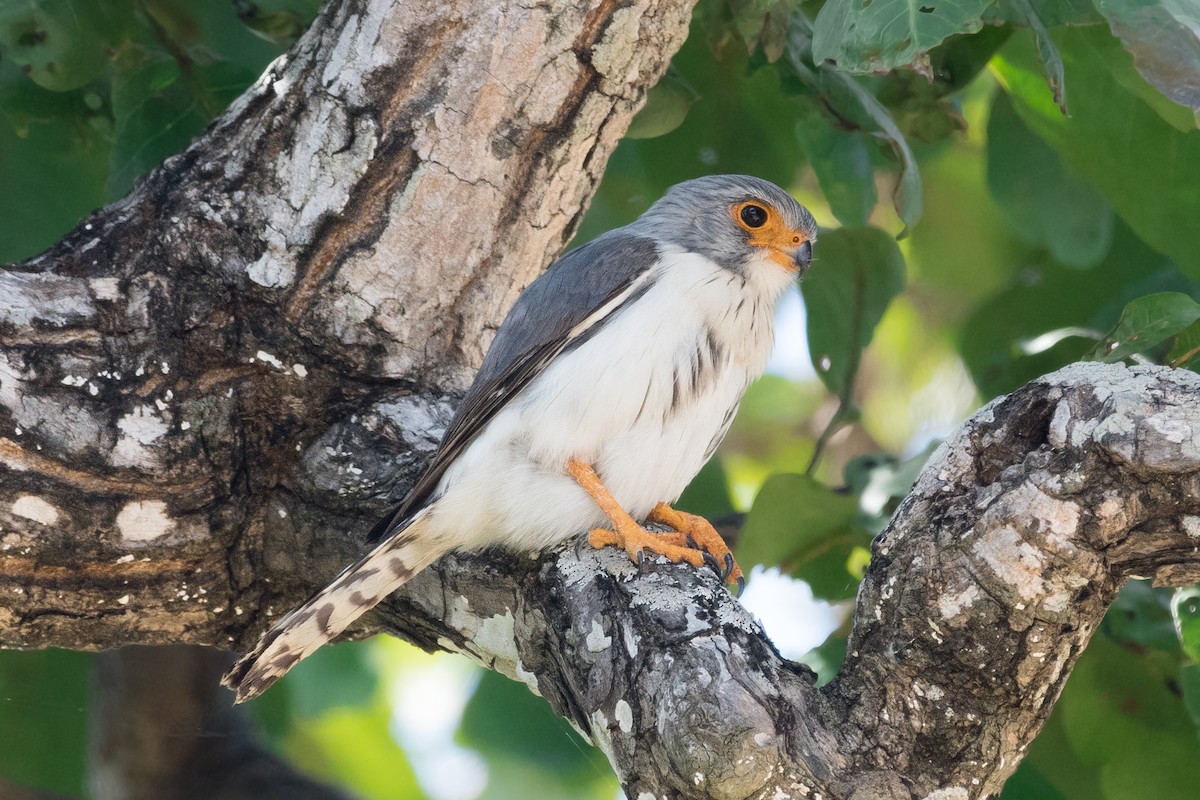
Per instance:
x=753, y=216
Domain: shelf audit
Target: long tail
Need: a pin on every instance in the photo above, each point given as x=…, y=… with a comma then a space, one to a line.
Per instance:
x=358, y=589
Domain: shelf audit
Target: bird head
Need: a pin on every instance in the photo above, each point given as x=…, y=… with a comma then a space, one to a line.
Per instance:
x=745, y=224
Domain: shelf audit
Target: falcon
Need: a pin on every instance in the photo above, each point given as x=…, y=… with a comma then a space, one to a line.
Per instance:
x=609, y=385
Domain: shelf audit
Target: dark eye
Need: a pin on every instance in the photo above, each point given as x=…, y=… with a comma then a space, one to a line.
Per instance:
x=754, y=216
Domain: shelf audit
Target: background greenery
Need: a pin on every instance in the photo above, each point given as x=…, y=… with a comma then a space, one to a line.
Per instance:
x=1004, y=187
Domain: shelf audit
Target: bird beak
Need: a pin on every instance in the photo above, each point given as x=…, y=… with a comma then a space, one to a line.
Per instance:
x=801, y=256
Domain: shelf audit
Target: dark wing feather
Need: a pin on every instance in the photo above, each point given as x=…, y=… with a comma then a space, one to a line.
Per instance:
x=537, y=329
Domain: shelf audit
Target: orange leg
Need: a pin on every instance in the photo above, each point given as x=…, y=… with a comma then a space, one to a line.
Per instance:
x=703, y=535
x=634, y=539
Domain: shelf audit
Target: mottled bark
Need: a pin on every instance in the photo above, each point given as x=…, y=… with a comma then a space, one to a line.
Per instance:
x=209, y=390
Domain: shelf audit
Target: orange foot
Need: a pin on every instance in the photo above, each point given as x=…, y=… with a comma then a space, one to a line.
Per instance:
x=695, y=541
x=703, y=536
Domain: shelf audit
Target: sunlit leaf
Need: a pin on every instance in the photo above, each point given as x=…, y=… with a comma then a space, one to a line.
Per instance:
x=865, y=36
x=1164, y=38
x=1147, y=322
x=855, y=274
x=354, y=747
x=1185, y=610
x=1048, y=55
x=61, y=44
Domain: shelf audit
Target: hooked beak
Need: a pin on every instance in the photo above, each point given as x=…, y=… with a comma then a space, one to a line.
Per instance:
x=801, y=256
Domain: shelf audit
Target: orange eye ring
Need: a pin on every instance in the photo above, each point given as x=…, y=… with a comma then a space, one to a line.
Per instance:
x=752, y=216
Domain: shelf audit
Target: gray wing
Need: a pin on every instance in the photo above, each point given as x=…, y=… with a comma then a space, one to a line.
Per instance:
x=554, y=313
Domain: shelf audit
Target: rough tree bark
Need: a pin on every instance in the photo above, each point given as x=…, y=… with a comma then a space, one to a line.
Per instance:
x=208, y=390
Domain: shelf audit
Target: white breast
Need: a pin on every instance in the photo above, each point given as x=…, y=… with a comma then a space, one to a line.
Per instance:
x=644, y=400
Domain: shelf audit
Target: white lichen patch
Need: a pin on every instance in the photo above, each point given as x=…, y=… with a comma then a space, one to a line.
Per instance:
x=623, y=714
x=1013, y=560
x=35, y=508
x=139, y=428
x=491, y=640
x=951, y=605
x=105, y=288
x=596, y=641
x=949, y=793
x=268, y=358
x=274, y=269
x=1191, y=526
x=144, y=521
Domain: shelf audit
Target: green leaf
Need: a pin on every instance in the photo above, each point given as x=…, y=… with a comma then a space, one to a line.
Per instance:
x=808, y=530
x=842, y=163
x=1114, y=139
x=1189, y=682
x=1048, y=55
x=1029, y=783
x=1185, y=352
x=53, y=163
x=762, y=24
x=62, y=44
x=1046, y=205
x=43, y=725
x=1164, y=38
x=667, y=105
x=159, y=109
x=1050, y=315
x=503, y=718
x=1122, y=713
x=855, y=274
x=741, y=124
x=1051, y=13
x=1147, y=322
x=708, y=493
x=1185, y=611
x=869, y=37
x=855, y=108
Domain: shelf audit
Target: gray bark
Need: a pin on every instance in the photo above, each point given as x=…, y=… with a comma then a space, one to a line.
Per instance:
x=210, y=389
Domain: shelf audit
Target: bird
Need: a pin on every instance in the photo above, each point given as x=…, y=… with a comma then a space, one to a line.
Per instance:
x=607, y=387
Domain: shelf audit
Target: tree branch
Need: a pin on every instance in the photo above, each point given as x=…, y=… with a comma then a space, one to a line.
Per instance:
x=981, y=595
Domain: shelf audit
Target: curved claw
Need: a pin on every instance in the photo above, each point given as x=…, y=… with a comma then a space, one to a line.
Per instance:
x=741, y=586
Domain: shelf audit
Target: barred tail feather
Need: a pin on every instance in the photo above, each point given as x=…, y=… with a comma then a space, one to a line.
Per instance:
x=358, y=589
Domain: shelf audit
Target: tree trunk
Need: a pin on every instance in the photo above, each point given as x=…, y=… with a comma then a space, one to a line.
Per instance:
x=210, y=389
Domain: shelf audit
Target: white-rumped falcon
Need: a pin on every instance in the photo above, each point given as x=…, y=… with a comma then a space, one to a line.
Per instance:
x=610, y=383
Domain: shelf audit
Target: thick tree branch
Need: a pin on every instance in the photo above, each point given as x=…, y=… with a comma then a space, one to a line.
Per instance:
x=981, y=595
x=208, y=389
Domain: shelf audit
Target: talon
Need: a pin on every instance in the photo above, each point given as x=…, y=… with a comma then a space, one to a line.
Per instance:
x=741, y=585
x=711, y=561
x=729, y=565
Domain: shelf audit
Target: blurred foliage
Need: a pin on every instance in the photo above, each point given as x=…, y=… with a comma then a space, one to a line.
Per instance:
x=1016, y=185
